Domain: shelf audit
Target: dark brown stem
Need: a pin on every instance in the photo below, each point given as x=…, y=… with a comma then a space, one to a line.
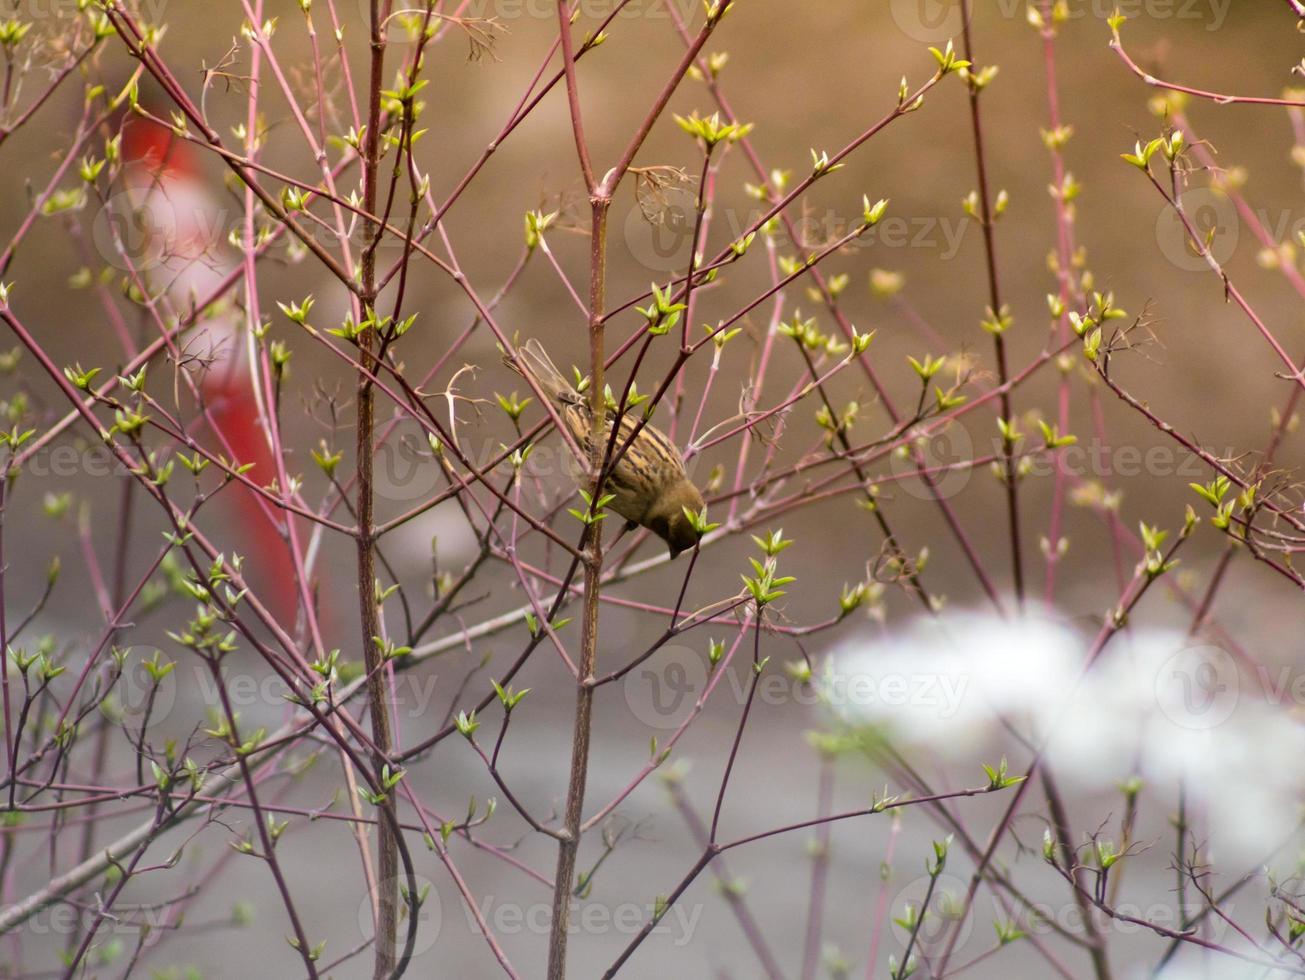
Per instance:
x=994, y=294
x=819, y=872
x=11, y=745
x=378, y=694
x=743, y=723
x=569, y=842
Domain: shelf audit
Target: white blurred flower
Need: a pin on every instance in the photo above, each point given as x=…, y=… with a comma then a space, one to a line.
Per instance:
x=945, y=681
x=1211, y=968
x=1174, y=710
x=1155, y=704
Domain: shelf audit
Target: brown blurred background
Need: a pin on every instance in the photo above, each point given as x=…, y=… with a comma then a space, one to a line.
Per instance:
x=810, y=75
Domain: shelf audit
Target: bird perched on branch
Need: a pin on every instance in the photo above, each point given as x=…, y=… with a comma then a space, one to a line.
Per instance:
x=648, y=483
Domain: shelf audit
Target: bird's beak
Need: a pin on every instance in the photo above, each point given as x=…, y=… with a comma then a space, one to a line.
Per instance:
x=675, y=552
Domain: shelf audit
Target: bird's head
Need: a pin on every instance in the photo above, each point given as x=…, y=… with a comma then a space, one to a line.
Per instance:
x=668, y=520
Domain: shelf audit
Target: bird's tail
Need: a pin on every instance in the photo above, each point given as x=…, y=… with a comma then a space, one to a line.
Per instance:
x=533, y=362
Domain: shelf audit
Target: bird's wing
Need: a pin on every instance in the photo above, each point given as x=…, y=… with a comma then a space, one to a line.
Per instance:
x=533, y=361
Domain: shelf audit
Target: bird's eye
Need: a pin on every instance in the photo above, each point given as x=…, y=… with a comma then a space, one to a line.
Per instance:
x=660, y=527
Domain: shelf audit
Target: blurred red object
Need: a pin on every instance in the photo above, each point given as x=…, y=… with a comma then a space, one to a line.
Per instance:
x=182, y=230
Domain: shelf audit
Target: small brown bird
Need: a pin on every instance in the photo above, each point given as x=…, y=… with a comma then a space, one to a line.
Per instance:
x=649, y=484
